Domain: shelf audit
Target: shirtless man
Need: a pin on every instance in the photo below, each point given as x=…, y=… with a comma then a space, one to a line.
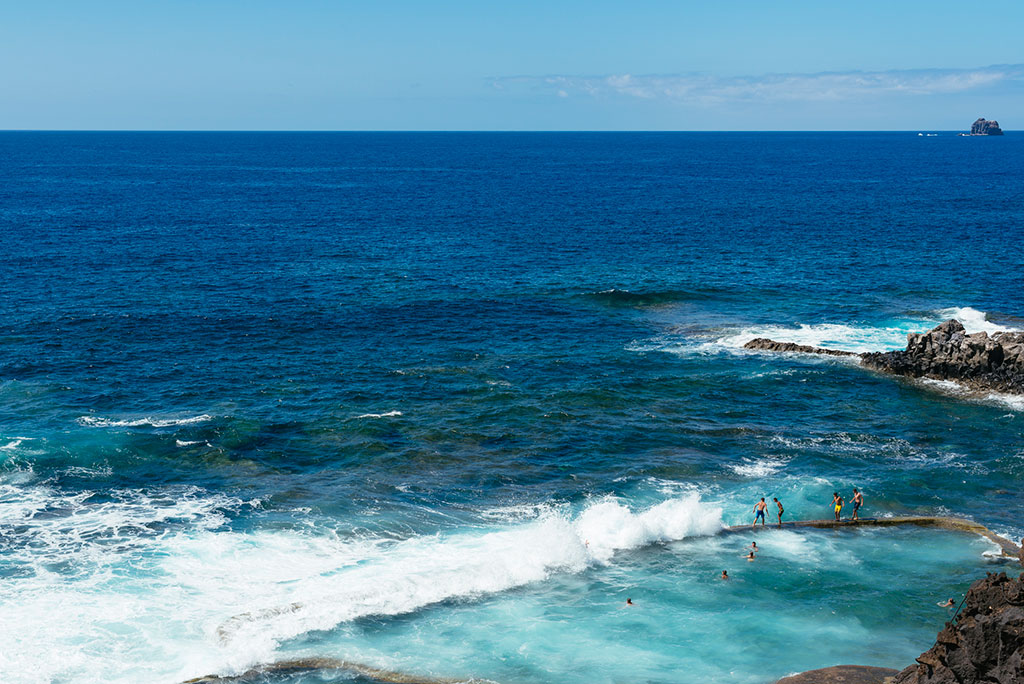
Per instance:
x=759, y=509
x=725, y=575
x=837, y=504
x=779, y=504
x=858, y=501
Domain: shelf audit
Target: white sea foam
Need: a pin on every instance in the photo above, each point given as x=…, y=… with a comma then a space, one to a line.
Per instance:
x=973, y=320
x=853, y=337
x=150, y=586
x=85, y=578
x=95, y=421
x=761, y=467
x=421, y=571
x=1013, y=401
x=389, y=414
x=959, y=391
x=14, y=443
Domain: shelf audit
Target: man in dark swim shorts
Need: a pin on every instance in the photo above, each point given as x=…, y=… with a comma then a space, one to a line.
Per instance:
x=759, y=511
x=779, y=504
x=858, y=501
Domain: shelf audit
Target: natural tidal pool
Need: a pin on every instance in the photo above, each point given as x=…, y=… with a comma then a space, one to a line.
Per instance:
x=523, y=595
x=818, y=597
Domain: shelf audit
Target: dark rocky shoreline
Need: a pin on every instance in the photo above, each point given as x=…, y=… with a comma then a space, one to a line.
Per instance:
x=983, y=644
x=979, y=362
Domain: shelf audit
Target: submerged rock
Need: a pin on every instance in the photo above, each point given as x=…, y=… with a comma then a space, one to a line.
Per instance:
x=765, y=344
x=985, y=644
x=842, y=674
x=947, y=352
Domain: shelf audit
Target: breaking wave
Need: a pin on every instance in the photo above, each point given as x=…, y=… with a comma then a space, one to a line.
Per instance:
x=854, y=337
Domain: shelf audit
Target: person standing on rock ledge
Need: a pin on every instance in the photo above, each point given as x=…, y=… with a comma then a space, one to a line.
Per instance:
x=779, y=504
x=759, y=509
x=858, y=501
x=837, y=502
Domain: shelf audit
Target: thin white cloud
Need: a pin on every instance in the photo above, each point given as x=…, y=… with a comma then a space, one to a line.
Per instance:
x=824, y=86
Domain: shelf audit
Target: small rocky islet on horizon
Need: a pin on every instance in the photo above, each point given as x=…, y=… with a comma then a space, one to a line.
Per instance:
x=983, y=126
x=979, y=362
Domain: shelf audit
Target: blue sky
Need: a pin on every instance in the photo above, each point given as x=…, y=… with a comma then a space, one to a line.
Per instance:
x=448, y=65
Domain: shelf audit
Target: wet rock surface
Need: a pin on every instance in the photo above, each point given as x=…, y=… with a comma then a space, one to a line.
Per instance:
x=765, y=344
x=985, y=644
x=842, y=674
x=978, y=361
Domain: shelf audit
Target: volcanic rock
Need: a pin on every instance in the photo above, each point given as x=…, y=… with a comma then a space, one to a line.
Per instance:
x=842, y=674
x=985, y=127
x=947, y=352
x=765, y=344
x=984, y=644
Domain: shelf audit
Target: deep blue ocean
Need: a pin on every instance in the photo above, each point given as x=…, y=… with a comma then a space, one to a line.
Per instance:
x=438, y=403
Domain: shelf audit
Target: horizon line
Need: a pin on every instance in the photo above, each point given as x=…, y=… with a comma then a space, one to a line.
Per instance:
x=488, y=130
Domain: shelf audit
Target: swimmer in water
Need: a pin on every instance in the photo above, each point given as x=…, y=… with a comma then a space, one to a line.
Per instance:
x=753, y=545
x=750, y=556
x=948, y=604
x=725, y=575
x=629, y=602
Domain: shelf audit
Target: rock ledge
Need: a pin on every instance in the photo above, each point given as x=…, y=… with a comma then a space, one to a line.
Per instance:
x=980, y=362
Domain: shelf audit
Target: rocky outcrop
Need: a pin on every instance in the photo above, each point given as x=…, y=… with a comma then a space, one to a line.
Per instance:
x=983, y=362
x=842, y=674
x=979, y=361
x=765, y=344
x=985, y=127
x=985, y=644
x=323, y=668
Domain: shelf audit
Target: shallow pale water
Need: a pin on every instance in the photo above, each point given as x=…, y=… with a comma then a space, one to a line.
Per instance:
x=439, y=403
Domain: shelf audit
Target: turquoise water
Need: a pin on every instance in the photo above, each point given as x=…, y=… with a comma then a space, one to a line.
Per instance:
x=439, y=404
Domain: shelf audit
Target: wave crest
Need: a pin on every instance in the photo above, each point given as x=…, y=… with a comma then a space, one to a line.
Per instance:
x=422, y=571
x=96, y=421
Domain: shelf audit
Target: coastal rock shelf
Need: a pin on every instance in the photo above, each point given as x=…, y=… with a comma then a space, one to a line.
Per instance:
x=323, y=666
x=843, y=674
x=764, y=344
x=979, y=361
x=1009, y=549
